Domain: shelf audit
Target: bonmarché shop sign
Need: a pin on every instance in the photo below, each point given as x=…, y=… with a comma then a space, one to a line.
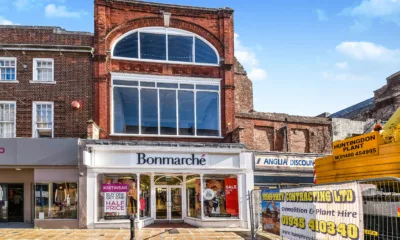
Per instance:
x=190, y=160
x=364, y=145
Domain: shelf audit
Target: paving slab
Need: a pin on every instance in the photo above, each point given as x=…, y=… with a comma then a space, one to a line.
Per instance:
x=121, y=234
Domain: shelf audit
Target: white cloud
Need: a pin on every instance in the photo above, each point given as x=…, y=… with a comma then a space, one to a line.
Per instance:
x=22, y=4
x=368, y=51
x=342, y=65
x=321, y=15
x=4, y=21
x=257, y=74
x=53, y=10
x=333, y=76
x=249, y=60
x=386, y=10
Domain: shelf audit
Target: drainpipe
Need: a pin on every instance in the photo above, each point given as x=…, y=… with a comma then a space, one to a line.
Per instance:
x=286, y=136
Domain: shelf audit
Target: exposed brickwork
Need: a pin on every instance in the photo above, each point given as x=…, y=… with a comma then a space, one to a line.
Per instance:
x=280, y=132
x=243, y=90
x=385, y=102
x=265, y=134
x=72, y=74
x=114, y=18
x=38, y=35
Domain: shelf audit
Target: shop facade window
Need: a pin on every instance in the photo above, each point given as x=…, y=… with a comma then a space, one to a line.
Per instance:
x=165, y=45
x=166, y=109
x=7, y=119
x=8, y=69
x=220, y=196
x=145, y=196
x=193, y=194
x=56, y=200
x=117, y=202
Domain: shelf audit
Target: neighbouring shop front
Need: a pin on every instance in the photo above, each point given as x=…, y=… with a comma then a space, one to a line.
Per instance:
x=274, y=170
x=39, y=182
x=203, y=185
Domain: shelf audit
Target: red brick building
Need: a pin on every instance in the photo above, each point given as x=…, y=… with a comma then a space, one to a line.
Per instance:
x=284, y=146
x=165, y=74
x=43, y=70
x=279, y=132
x=180, y=32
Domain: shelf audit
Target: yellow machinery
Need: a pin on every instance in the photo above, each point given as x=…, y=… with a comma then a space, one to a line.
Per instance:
x=372, y=155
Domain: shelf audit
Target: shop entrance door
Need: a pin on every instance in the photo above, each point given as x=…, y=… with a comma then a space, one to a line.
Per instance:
x=169, y=203
x=11, y=202
x=3, y=203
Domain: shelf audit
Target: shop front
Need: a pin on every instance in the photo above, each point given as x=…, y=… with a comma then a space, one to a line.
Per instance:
x=275, y=170
x=39, y=182
x=204, y=185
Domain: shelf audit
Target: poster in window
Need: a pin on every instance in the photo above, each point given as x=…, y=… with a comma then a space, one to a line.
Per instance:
x=231, y=195
x=115, y=197
x=270, y=211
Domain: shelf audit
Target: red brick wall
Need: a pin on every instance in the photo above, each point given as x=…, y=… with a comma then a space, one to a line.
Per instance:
x=269, y=135
x=112, y=19
x=243, y=90
x=43, y=36
x=73, y=76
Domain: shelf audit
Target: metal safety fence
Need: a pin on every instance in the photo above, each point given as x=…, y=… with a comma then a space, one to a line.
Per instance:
x=380, y=209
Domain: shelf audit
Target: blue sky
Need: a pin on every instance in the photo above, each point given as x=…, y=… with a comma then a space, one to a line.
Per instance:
x=305, y=57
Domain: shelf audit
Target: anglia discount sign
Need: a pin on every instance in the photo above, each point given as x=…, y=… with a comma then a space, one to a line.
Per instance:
x=364, y=145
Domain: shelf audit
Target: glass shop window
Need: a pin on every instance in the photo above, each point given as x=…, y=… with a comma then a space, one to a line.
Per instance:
x=56, y=200
x=220, y=196
x=117, y=196
x=193, y=194
x=145, y=196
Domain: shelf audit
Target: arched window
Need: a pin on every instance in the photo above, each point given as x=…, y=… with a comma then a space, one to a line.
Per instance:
x=165, y=44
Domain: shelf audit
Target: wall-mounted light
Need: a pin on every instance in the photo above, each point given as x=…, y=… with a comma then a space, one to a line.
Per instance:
x=18, y=169
x=75, y=104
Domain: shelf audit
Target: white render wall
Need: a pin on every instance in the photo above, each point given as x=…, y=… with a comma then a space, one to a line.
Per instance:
x=343, y=127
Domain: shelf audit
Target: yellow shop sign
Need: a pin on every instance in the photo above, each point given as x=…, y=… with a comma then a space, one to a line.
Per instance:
x=364, y=145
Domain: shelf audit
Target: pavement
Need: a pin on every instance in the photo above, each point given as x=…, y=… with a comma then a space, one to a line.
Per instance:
x=116, y=234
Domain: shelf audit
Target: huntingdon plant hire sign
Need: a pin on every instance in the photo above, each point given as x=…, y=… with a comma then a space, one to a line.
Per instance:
x=364, y=145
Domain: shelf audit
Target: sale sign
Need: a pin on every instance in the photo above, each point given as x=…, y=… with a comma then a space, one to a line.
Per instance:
x=231, y=194
x=115, y=198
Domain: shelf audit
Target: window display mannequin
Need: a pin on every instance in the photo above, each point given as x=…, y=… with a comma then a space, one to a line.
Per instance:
x=72, y=194
x=60, y=195
x=132, y=196
x=2, y=201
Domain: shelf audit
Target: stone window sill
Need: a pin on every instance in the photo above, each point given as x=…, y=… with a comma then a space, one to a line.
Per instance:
x=42, y=82
x=8, y=81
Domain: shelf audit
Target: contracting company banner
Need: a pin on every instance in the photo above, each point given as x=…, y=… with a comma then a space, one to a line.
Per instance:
x=320, y=212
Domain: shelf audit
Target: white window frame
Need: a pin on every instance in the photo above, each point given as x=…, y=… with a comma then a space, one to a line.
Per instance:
x=15, y=115
x=35, y=70
x=165, y=79
x=5, y=80
x=34, y=123
x=165, y=31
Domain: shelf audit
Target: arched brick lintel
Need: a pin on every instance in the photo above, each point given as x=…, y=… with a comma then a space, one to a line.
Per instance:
x=159, y=22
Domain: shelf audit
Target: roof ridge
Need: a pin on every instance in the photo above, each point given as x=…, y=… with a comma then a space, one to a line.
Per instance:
x=175, y=5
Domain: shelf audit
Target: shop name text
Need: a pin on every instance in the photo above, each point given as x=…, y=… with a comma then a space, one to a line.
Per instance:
x=190, y=161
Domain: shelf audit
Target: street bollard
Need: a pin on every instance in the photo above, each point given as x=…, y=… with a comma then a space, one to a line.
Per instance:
x=132, y=226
